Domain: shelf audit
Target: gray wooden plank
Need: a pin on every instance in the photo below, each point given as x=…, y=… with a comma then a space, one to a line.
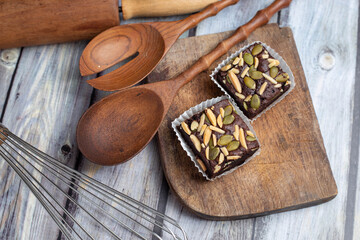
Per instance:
x=44, y=105
x=326, y=40
x=8, y=61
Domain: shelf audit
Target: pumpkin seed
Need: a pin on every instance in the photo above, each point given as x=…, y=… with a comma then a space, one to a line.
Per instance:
x=257, y=49
x=282, y=77
x=256, y=75
x=232, y=146
x=228, y=119
x=207, y=120
x=211, y=144
x=228, y=110
x=252, y=68
x=274, y=71
x=250, y=138
x=228, y=79
x=255, y=101
x=249, y=83
x=245, y=106
x=248, y=58
x=225, y=140
x=213, y=153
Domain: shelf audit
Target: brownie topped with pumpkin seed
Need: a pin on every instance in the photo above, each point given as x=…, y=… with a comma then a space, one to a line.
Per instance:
x=254, y=79
x=219, y=138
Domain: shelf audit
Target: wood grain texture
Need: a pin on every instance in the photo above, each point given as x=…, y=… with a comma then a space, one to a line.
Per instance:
x=326, y=43
x=292, y=170
x=44, y=105
x=8, y=61
x=28, y=22
x=146, y=8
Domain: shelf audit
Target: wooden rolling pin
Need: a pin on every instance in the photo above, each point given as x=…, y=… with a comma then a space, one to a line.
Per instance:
x=36, y=22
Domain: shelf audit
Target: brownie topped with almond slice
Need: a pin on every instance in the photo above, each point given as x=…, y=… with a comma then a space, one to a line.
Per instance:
x=219, y=138
x=254, y=79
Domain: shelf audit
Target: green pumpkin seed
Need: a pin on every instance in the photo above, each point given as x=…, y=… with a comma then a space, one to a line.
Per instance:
x=213, y=153
x=232, y=146
x=249, y=83
x=282, y=77
x=228, y=110
x=250, y=138
x=255, y=101
x=225, y=140
x=207, y=120
x=257, y=49
x=228, y=79
x=274, y=71
x=249, y=59
x=245, y=106
x=228, y=119
x=256, y=75
x=211, y=143
x=251, y=69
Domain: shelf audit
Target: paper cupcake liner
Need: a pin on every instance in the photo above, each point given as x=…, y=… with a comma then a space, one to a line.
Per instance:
x=283, y=65
x=199, y=108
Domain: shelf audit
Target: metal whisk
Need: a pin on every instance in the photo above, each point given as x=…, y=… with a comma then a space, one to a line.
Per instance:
x=94, y=210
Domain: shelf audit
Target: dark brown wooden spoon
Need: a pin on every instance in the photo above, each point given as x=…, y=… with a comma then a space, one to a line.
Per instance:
x=150, y=41
x=120, y=125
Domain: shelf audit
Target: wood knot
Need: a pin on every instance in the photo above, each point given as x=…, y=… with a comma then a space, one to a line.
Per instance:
x=65, y=149
x=9, y=56
x=326, y=59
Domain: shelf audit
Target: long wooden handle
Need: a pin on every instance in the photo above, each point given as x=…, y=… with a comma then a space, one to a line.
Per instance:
x=211, y=10
x=156, y=8
x=261, y=18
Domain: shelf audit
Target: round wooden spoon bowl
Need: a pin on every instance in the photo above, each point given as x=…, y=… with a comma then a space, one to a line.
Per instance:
x=119, y=126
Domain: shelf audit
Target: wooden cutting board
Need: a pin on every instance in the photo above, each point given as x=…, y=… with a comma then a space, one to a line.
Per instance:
x=292, y=170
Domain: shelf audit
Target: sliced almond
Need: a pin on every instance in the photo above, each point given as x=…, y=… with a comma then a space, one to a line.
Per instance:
x=236, y=132
x=287, y=83
x=221, y=158
x=202, y=165
x=273, y=81
x=225, y=151
x=248, y=132
x=233, y=157
x=242, y=138
x=248, y=98
x=222, y=112
x=273, y=62
x=186, y=128
x=196, y=142
x=207, y=150
x=235, y=70
x=265, y=56
x=277, y=85
x=210, y=114
x=214, y=140
x=226, y=67
x=256, y=63
x=241, y=63
x=203, y=145
x=244, y=72
x=202, y=121
x=262, y=88
x=236, y=61
x=194, y=125
x=219, y=121
x=235, y=82
x=207, y=135
x=217, y=168
x=239, y=95
x=203, y=129
x=216, y=129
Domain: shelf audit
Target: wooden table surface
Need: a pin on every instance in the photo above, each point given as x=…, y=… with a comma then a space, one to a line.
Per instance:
x=42, y=97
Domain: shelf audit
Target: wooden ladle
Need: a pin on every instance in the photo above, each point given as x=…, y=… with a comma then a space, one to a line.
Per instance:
x=150, y=41
x=116, y=128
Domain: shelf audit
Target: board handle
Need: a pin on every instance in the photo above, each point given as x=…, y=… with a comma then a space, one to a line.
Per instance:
x=157, y=8
x=261, y=18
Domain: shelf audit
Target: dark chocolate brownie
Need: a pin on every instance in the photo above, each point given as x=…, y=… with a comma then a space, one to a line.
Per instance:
x=219, y=138
x=254, y=79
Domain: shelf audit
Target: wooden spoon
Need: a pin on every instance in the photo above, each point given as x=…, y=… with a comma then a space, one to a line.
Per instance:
x=120, y=125
x=150, y=41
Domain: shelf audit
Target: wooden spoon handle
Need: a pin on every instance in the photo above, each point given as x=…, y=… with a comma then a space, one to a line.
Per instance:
x=211, y=10
x=261, y=18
